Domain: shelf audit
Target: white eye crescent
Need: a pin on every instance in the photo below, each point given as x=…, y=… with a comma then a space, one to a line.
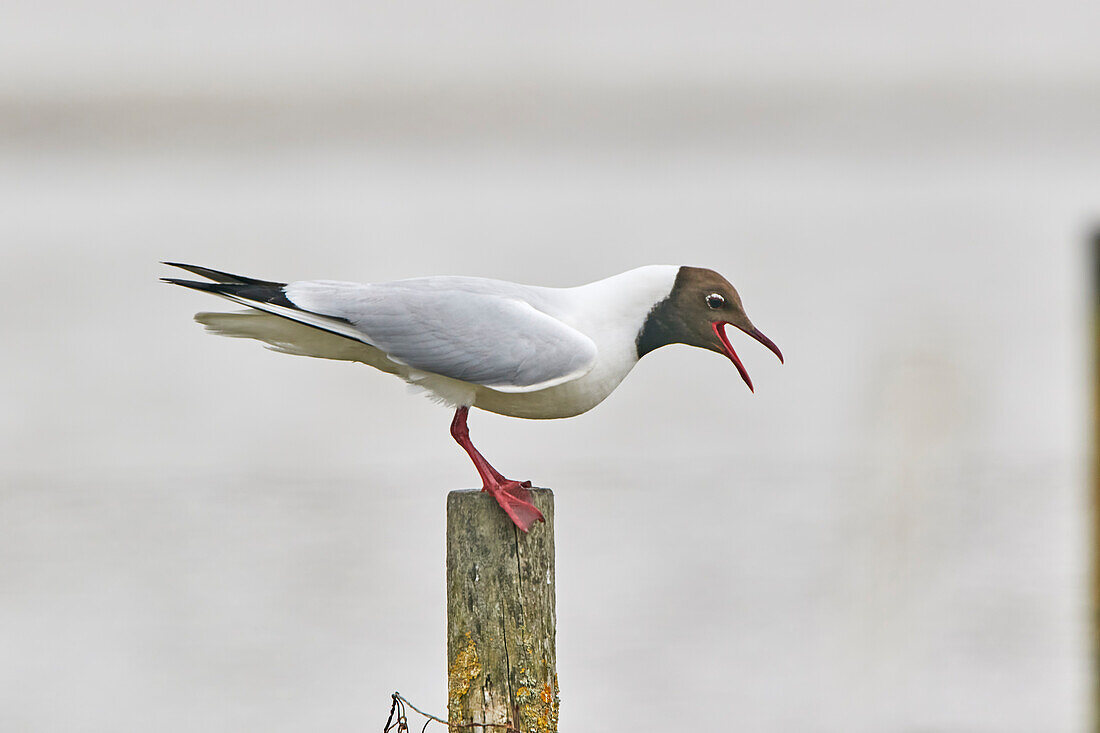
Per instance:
x=715, y=300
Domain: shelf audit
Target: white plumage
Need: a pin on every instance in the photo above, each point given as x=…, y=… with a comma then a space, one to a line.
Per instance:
x=517, y=350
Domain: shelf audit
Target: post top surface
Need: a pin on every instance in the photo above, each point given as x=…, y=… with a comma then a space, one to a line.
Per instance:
x=467, y=492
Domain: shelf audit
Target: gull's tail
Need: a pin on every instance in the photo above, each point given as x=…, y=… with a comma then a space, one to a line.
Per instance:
x=275, y=320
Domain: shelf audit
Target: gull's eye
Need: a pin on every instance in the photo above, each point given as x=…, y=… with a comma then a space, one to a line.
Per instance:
x=714, y=300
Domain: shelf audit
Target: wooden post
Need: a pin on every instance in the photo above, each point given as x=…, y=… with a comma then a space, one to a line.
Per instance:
x=501, y=660
x=1094, y=491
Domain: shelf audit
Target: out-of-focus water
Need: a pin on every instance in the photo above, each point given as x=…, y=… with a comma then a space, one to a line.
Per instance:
x=890, y=535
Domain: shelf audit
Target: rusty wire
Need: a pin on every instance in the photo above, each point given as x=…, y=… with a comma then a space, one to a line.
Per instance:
x=401, y=724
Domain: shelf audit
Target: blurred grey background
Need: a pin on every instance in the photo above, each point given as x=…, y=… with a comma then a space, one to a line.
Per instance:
x=890, y=535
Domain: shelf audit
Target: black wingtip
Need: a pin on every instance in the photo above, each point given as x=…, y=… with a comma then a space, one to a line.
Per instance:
x=222, y=277
x=195, y=284
x=260, y=292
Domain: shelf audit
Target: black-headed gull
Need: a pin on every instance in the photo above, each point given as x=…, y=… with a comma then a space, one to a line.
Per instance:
x=517, y=350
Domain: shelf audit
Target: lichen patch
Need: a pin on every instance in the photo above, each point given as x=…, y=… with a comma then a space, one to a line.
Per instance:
x=465, y=667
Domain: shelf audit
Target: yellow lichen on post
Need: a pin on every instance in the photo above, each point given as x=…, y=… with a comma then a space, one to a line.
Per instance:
x=536, y=696
x=539, y=708
x=465, y=667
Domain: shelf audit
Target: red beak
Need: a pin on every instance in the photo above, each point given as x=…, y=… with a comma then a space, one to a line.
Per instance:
x=720, y=331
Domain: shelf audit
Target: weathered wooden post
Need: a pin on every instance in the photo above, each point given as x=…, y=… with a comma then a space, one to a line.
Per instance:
x=501, y=660
x=1094, y=491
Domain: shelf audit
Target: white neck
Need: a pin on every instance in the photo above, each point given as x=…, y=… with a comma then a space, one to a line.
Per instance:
x=618, y=305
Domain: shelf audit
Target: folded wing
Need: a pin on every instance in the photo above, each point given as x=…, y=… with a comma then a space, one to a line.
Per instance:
x=498, y=341
x=442, y=326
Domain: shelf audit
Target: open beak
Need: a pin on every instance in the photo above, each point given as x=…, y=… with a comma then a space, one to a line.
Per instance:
x=720, y=331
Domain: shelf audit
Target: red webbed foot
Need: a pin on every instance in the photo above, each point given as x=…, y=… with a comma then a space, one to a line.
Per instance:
x=513, y=496
x=515, y=500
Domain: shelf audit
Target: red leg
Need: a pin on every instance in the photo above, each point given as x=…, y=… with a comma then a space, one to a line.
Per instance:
x=513, y=496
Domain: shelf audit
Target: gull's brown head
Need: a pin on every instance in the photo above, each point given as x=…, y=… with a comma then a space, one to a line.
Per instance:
x=696, y=312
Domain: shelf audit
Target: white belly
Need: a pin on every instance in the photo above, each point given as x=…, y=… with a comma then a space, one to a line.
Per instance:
x=563, y=400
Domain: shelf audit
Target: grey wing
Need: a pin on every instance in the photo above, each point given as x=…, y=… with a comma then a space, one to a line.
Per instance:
x=498, y=341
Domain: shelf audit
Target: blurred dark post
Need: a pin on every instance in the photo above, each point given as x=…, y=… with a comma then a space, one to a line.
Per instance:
x=501, y=623
x=1094, y=253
